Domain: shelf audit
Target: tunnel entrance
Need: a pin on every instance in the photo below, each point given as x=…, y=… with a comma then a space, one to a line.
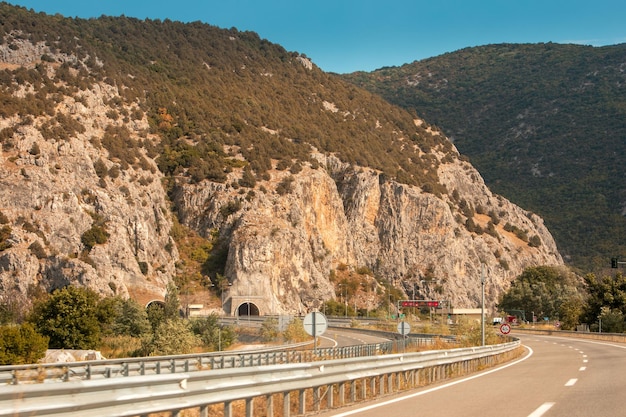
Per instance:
x=247, y=309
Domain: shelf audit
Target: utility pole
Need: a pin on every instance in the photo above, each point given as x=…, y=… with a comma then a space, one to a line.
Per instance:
x=482, y=307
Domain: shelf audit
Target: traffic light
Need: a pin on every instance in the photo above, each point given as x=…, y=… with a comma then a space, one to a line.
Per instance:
x=613, y=262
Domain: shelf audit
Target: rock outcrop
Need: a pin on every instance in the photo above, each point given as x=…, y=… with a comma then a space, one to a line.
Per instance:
x=284, y=248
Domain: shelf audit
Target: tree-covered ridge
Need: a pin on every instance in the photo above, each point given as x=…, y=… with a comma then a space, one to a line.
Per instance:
x=545, y=124
x=213, y=94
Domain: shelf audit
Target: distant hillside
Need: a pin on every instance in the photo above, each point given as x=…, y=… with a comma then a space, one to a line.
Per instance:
x=545, y=124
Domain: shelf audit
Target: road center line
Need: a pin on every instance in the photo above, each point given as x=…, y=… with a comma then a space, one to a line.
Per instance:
x=427, y=391
x=571, y=382
x=582, y=368
x=541, y=410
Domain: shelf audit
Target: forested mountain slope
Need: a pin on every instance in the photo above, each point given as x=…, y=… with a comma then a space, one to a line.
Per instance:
x=138, y=152
x=545, y=124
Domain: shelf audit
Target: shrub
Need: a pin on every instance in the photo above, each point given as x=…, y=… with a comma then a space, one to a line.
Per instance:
x=95, y=235
x=534, y=241
x=172, y=336
x=38, y=250
x=21, y=345
x=5, y=234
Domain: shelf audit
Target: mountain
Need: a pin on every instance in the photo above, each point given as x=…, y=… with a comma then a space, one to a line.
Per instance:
x=138, y=152
x=545, y=124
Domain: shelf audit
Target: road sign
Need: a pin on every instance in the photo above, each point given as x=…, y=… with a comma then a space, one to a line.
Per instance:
x=505, y=328
x=419, y=303
x=404, y=328
x=315, y=323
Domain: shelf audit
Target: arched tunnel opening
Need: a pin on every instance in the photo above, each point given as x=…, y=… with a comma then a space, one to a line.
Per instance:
x=247, y=309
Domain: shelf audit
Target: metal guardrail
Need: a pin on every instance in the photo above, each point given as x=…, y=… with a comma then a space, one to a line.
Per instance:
x=608, y=337
x=157, y=365
x=143, y=394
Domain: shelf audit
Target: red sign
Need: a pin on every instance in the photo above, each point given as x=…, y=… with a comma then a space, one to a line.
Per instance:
x=505, y=328
x=419, y=303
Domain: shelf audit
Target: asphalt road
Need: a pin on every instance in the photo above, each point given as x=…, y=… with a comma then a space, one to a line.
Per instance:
x=557, y=377
x=339, y=338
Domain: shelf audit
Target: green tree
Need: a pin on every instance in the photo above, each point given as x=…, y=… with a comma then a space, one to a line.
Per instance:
x=70, y=318
x=607, y=296
x=156, y=314
x=21, y=345
x=269, y=330
x=295, y=331
x=212, y=335
x=172, y=337
x=542, y=290
x=171, y=309
x=125, y=317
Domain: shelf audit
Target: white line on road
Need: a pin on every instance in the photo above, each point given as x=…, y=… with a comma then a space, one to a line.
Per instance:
x=582, y=368
x=541, y=410
x=427, y=391
x=571, y=382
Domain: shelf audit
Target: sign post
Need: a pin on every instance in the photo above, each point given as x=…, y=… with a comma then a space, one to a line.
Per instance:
x=404, y=329
x=315, y=324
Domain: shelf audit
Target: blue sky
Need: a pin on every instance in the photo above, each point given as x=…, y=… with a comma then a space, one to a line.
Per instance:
x=348, y=35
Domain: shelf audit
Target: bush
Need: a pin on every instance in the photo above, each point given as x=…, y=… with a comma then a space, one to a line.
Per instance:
x=21, y=345
x=269, y=330
x=295, y=332
x=38, y=250
x=172, y=337
x=212, y=335
x=5, y=234
x=95, y=235
x=70, y=318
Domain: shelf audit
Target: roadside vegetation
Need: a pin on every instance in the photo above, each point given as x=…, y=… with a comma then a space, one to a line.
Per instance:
x=77, y=318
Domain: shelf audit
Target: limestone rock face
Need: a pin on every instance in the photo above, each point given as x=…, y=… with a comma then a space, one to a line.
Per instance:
x=55, y=190
x=283, y=249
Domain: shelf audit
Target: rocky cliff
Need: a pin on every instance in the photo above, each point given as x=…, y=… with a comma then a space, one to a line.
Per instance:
x=83, y=202
x=282, y=249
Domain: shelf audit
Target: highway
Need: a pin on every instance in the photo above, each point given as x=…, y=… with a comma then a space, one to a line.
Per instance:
x=556, y=377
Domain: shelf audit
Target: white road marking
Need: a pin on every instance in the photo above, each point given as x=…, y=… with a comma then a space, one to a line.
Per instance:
x=571, y=382
x=582, y=368
x=541, y=410
x=427, y=391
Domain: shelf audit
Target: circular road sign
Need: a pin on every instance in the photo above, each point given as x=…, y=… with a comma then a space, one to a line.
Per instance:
x=505, y=328
x=315, y=323
x=404, y=328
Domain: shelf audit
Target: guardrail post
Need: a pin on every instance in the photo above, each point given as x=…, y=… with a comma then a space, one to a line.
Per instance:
x=373, y=386
x=228, y=409
x=204, y=411
x=330, y=396
x=342, y=393
x=250, y=407
x=364, y=388
x=389, y=383
x=353, y=391
x=286, y=404
x=269, y=400
x=302, y=401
